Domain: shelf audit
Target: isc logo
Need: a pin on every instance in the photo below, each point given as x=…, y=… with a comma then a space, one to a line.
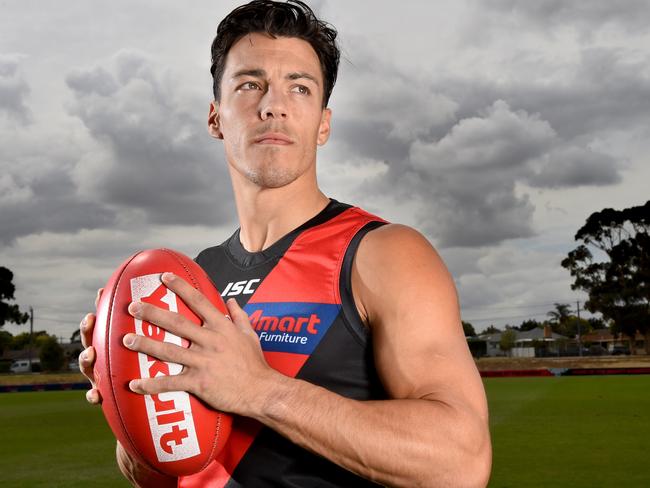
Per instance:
x=240, y=288
x=169, y=414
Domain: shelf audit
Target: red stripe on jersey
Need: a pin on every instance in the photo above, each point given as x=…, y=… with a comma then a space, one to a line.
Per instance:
x=309, y=270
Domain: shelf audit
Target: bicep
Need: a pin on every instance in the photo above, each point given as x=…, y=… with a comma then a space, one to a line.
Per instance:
x=410, y=302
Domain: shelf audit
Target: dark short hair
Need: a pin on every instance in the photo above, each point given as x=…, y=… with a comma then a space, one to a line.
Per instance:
x=277, y=19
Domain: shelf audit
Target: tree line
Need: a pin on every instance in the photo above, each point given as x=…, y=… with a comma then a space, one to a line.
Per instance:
x=612, y=265
x=50, y=352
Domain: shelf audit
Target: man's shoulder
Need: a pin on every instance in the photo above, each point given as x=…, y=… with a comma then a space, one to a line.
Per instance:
x=395, y=254
x=395, y=239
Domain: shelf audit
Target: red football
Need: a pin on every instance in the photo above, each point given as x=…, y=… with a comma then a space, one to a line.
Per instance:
x=174, y=433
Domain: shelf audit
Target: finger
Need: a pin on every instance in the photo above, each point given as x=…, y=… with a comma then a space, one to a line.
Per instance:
x=171, y=321
x=86, y=364
x=164, y=351
x=98, y=296
x=86, y=329
x=160, y=384
x=238, y=316
x=193, y=298
x=93, y=397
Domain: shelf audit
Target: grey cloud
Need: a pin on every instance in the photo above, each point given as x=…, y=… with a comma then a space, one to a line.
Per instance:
x=588, y=16
x=469, y=176
x=154, y=154
x=93, y=80
x=466, y=180
x=462, y=161
x=575, y=166
x=13, y=90
x=378, y=112
x=49, y=203
x=605, y=90
x=37, y=193
x=354, y=137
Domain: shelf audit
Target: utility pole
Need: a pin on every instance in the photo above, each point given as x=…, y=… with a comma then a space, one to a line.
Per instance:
x=579, y=335
x=31, y=335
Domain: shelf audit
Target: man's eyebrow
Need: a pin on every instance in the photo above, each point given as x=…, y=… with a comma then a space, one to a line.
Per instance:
x=260, y=73
x=302, y=74
x=254, y=72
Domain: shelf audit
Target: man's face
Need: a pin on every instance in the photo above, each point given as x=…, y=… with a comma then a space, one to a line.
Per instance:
x=270, y=115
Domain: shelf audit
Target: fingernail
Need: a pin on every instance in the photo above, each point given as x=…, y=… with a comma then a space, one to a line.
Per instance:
x=90, y=397
x=135, y=308
x=128, y=340
x=84, y=321
x=134, y=385
x=167, y=277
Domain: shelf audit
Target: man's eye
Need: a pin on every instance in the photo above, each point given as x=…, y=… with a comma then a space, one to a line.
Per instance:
x=249, y=85
x=302, y=89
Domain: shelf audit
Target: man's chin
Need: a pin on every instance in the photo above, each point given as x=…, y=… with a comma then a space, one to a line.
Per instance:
x=271, y=178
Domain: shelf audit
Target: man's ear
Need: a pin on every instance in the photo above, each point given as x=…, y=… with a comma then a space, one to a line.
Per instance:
x=324, y=127
x=214, y=128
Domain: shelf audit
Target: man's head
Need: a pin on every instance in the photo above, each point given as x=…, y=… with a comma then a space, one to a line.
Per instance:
x=277, y=19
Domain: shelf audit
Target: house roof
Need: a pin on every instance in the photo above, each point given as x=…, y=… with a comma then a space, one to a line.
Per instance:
x=495, y=337
x=537, y=334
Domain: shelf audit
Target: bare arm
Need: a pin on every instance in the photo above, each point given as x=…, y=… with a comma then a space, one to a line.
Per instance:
x=432, y=433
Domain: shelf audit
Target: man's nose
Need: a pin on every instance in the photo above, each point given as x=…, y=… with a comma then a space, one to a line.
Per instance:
x=273, y=104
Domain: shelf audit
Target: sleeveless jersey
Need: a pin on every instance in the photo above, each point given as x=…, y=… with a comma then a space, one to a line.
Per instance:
x=298, y=296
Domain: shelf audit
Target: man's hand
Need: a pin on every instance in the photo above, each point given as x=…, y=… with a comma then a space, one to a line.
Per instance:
x=87, y=357
x=224, y=365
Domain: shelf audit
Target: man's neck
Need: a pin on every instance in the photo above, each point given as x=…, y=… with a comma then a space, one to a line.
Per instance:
x=266, y=215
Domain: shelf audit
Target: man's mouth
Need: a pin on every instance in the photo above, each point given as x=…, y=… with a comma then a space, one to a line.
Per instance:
x=273, y=138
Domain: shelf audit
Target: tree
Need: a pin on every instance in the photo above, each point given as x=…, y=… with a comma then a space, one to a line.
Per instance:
x=562, y=312
x=507, y=341
x=573, y=325
x=5, y=340
x=530, y=324
x=619, y=284
x=468, y=329
x=21, y=341
x=9, y=312
x=492, y=330
x=596, y=323
x=52, y=356
x=76, y=336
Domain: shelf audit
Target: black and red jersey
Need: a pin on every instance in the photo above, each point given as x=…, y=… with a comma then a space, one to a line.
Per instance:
x=298, y=296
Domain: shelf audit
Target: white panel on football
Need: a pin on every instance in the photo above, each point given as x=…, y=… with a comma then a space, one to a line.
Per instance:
x=170, y=414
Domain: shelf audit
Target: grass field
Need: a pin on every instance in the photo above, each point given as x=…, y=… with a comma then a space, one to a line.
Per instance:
x=591, y=431
x=546, y=432
x=55, y=439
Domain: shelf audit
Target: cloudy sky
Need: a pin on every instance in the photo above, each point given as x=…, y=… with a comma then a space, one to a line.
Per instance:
x=495, y=127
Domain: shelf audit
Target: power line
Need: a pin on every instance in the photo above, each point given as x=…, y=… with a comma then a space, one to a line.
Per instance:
x=487, y=307
x=50, y=319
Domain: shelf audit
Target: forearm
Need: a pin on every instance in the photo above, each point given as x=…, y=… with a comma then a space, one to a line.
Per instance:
x=393, y=442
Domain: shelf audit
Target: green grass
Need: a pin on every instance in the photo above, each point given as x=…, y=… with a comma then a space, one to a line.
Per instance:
x=591, y=431
x=55, y=439
x=546, y=432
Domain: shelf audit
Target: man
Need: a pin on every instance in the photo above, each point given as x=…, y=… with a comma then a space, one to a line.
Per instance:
x=351, y=367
